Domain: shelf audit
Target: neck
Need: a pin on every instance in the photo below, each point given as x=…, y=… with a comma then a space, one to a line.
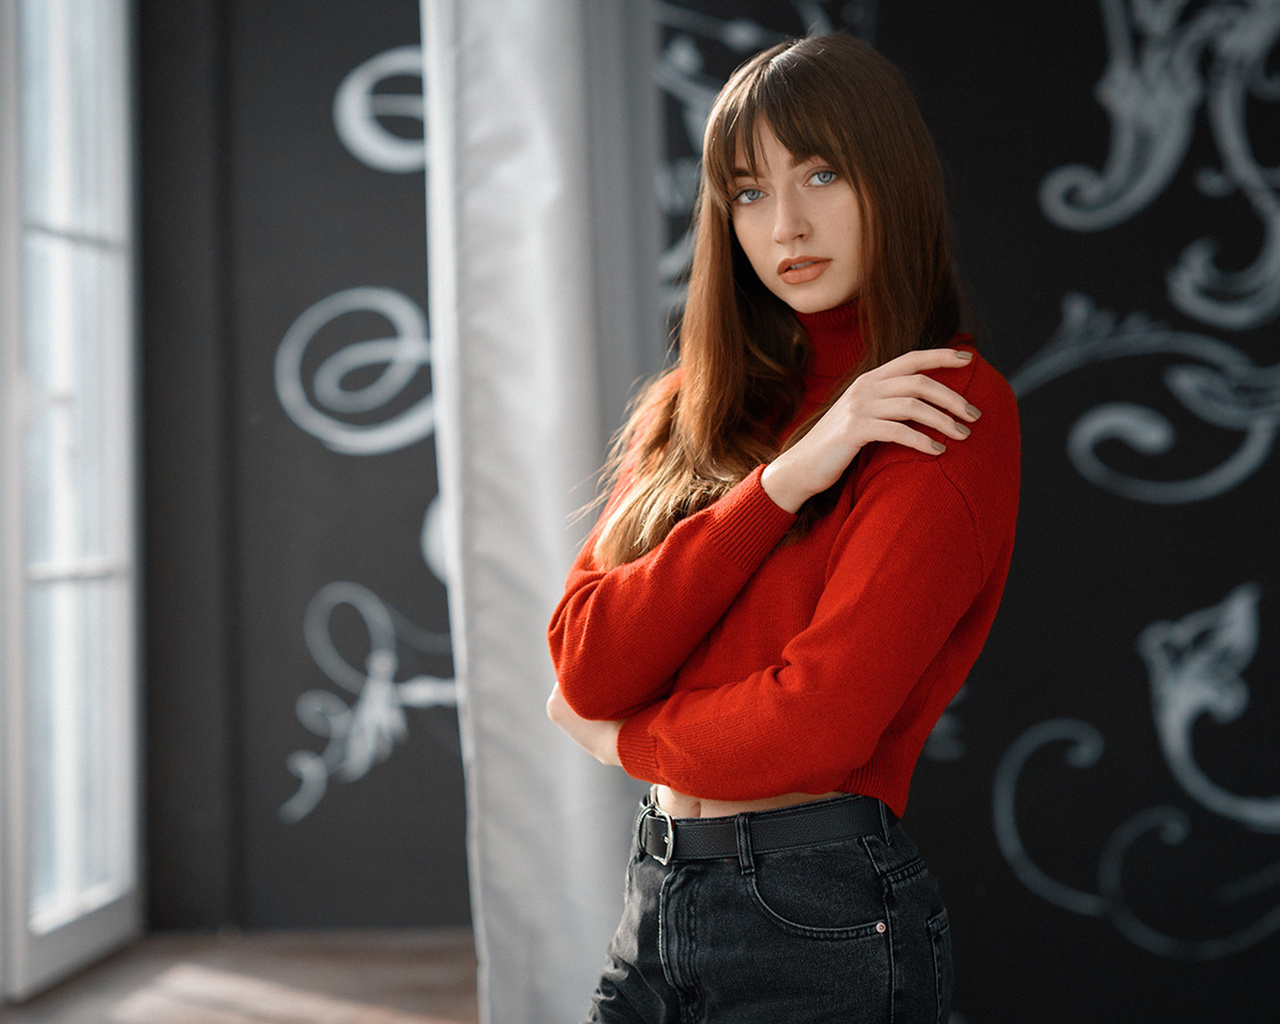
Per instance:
x=837, y=343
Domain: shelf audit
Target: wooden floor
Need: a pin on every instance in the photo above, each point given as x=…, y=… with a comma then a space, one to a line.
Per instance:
x=325, y=977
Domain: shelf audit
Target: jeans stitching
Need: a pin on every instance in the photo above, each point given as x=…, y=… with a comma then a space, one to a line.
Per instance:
x=939, y=928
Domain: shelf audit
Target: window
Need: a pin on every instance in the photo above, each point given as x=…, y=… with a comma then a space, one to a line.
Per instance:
x=68, y=581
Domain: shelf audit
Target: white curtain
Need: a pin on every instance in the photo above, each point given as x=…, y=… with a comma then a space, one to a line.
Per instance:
x=523, y=287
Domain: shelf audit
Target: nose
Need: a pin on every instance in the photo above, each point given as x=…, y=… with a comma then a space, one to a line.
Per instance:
x=790, y=220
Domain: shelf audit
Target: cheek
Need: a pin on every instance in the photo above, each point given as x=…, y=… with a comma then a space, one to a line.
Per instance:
x=748, y=233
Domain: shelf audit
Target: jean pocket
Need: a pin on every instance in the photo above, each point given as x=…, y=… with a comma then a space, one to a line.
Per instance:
x=823, y=892
x=939, y=927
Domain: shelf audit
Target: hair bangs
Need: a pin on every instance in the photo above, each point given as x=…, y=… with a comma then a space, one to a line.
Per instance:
x=732, y=139
x=772, y=92
x=805, y=126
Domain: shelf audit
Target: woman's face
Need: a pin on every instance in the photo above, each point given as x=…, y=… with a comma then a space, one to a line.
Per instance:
x=800, y=226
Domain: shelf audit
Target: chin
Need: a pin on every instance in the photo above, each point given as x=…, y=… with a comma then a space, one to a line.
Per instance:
x=814, y=303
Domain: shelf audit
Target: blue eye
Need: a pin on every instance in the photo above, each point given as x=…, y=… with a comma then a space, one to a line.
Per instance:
x=748, y=196
x=823, y=177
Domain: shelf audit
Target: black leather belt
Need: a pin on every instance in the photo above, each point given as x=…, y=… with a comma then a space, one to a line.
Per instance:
x=666, y=838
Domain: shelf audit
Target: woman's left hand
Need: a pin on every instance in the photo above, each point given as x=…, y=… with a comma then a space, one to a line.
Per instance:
x=599, y=739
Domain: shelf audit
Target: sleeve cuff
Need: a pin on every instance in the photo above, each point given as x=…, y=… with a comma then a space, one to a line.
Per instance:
x=636, y=748
x=746, y=524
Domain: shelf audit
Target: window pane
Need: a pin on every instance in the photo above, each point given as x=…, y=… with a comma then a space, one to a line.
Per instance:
x=73, y=115
x=80, y=714
x=75, y=370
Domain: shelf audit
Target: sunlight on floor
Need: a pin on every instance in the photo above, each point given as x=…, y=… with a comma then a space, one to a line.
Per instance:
x=191, y=994
x=388, y=976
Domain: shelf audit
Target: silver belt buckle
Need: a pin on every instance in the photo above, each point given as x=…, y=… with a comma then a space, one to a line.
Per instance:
x=670, y=840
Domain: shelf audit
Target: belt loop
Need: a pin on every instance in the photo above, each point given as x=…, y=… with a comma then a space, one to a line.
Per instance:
x=884, y=822
x=642, y=812
x=746, y=856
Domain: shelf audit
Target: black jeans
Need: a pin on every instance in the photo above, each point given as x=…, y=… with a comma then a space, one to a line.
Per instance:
x=847, y=931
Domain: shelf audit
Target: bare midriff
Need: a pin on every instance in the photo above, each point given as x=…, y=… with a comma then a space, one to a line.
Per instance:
x=680, y=806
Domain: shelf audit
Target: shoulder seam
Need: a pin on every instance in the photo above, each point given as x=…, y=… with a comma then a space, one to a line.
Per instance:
x=973, y=519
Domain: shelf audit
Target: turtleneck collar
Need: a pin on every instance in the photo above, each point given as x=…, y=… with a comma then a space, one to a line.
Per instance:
x=837, y=343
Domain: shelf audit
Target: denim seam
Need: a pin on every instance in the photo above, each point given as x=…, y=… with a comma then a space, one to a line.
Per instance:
x=906, y=872
x=939, y=929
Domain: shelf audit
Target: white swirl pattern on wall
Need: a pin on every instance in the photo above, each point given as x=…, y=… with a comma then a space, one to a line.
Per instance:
x=1223, y=389
x=1194, y=667
x=1167, y=61
x=400, y=356
x=379, y=416
x=358, y=110
x=1152, y=89
x=363, y=733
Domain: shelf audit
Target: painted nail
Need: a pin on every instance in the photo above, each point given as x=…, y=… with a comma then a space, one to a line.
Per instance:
x=966, y=356
x=963, y=429
x=972, y=411
x=939, y=446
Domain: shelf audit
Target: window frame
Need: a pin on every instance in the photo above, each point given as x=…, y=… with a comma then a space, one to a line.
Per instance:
x=33, y=956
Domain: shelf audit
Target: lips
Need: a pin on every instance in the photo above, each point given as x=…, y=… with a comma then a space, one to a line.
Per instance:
x=799, y=269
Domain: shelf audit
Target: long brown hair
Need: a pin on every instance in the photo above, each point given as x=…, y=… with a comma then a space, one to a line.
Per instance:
x=695, y=434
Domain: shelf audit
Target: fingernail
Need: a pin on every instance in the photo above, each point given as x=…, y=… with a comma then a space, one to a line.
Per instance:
x=972, y=411
x=939, y=446
x=965, y=356
x=963, y=429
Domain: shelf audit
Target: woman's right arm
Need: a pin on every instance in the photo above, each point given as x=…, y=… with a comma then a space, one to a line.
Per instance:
x=619, y=635
x=879, y=405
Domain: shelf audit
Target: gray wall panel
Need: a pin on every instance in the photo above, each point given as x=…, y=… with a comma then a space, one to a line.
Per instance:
x=335, y=747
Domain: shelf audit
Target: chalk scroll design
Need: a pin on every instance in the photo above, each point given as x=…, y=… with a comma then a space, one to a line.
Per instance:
x=364, y=398
x=320, y=410
x=360, y=113
x=360, y=734
x=431, y=541
x=1152, y=89
x=363, y=733
x=689, y=74
x=1223, y=389
x=1194, y=667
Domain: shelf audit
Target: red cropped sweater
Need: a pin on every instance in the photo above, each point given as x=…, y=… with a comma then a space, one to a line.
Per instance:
x=747, y=668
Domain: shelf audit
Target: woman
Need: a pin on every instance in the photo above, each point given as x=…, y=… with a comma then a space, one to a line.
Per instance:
x=807, y=537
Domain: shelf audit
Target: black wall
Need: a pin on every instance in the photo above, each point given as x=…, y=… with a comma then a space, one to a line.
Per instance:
x=303, y=752
x=1107, y=831
x=1102, y=803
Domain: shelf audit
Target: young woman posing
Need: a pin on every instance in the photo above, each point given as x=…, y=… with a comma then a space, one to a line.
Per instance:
x=808, y=535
